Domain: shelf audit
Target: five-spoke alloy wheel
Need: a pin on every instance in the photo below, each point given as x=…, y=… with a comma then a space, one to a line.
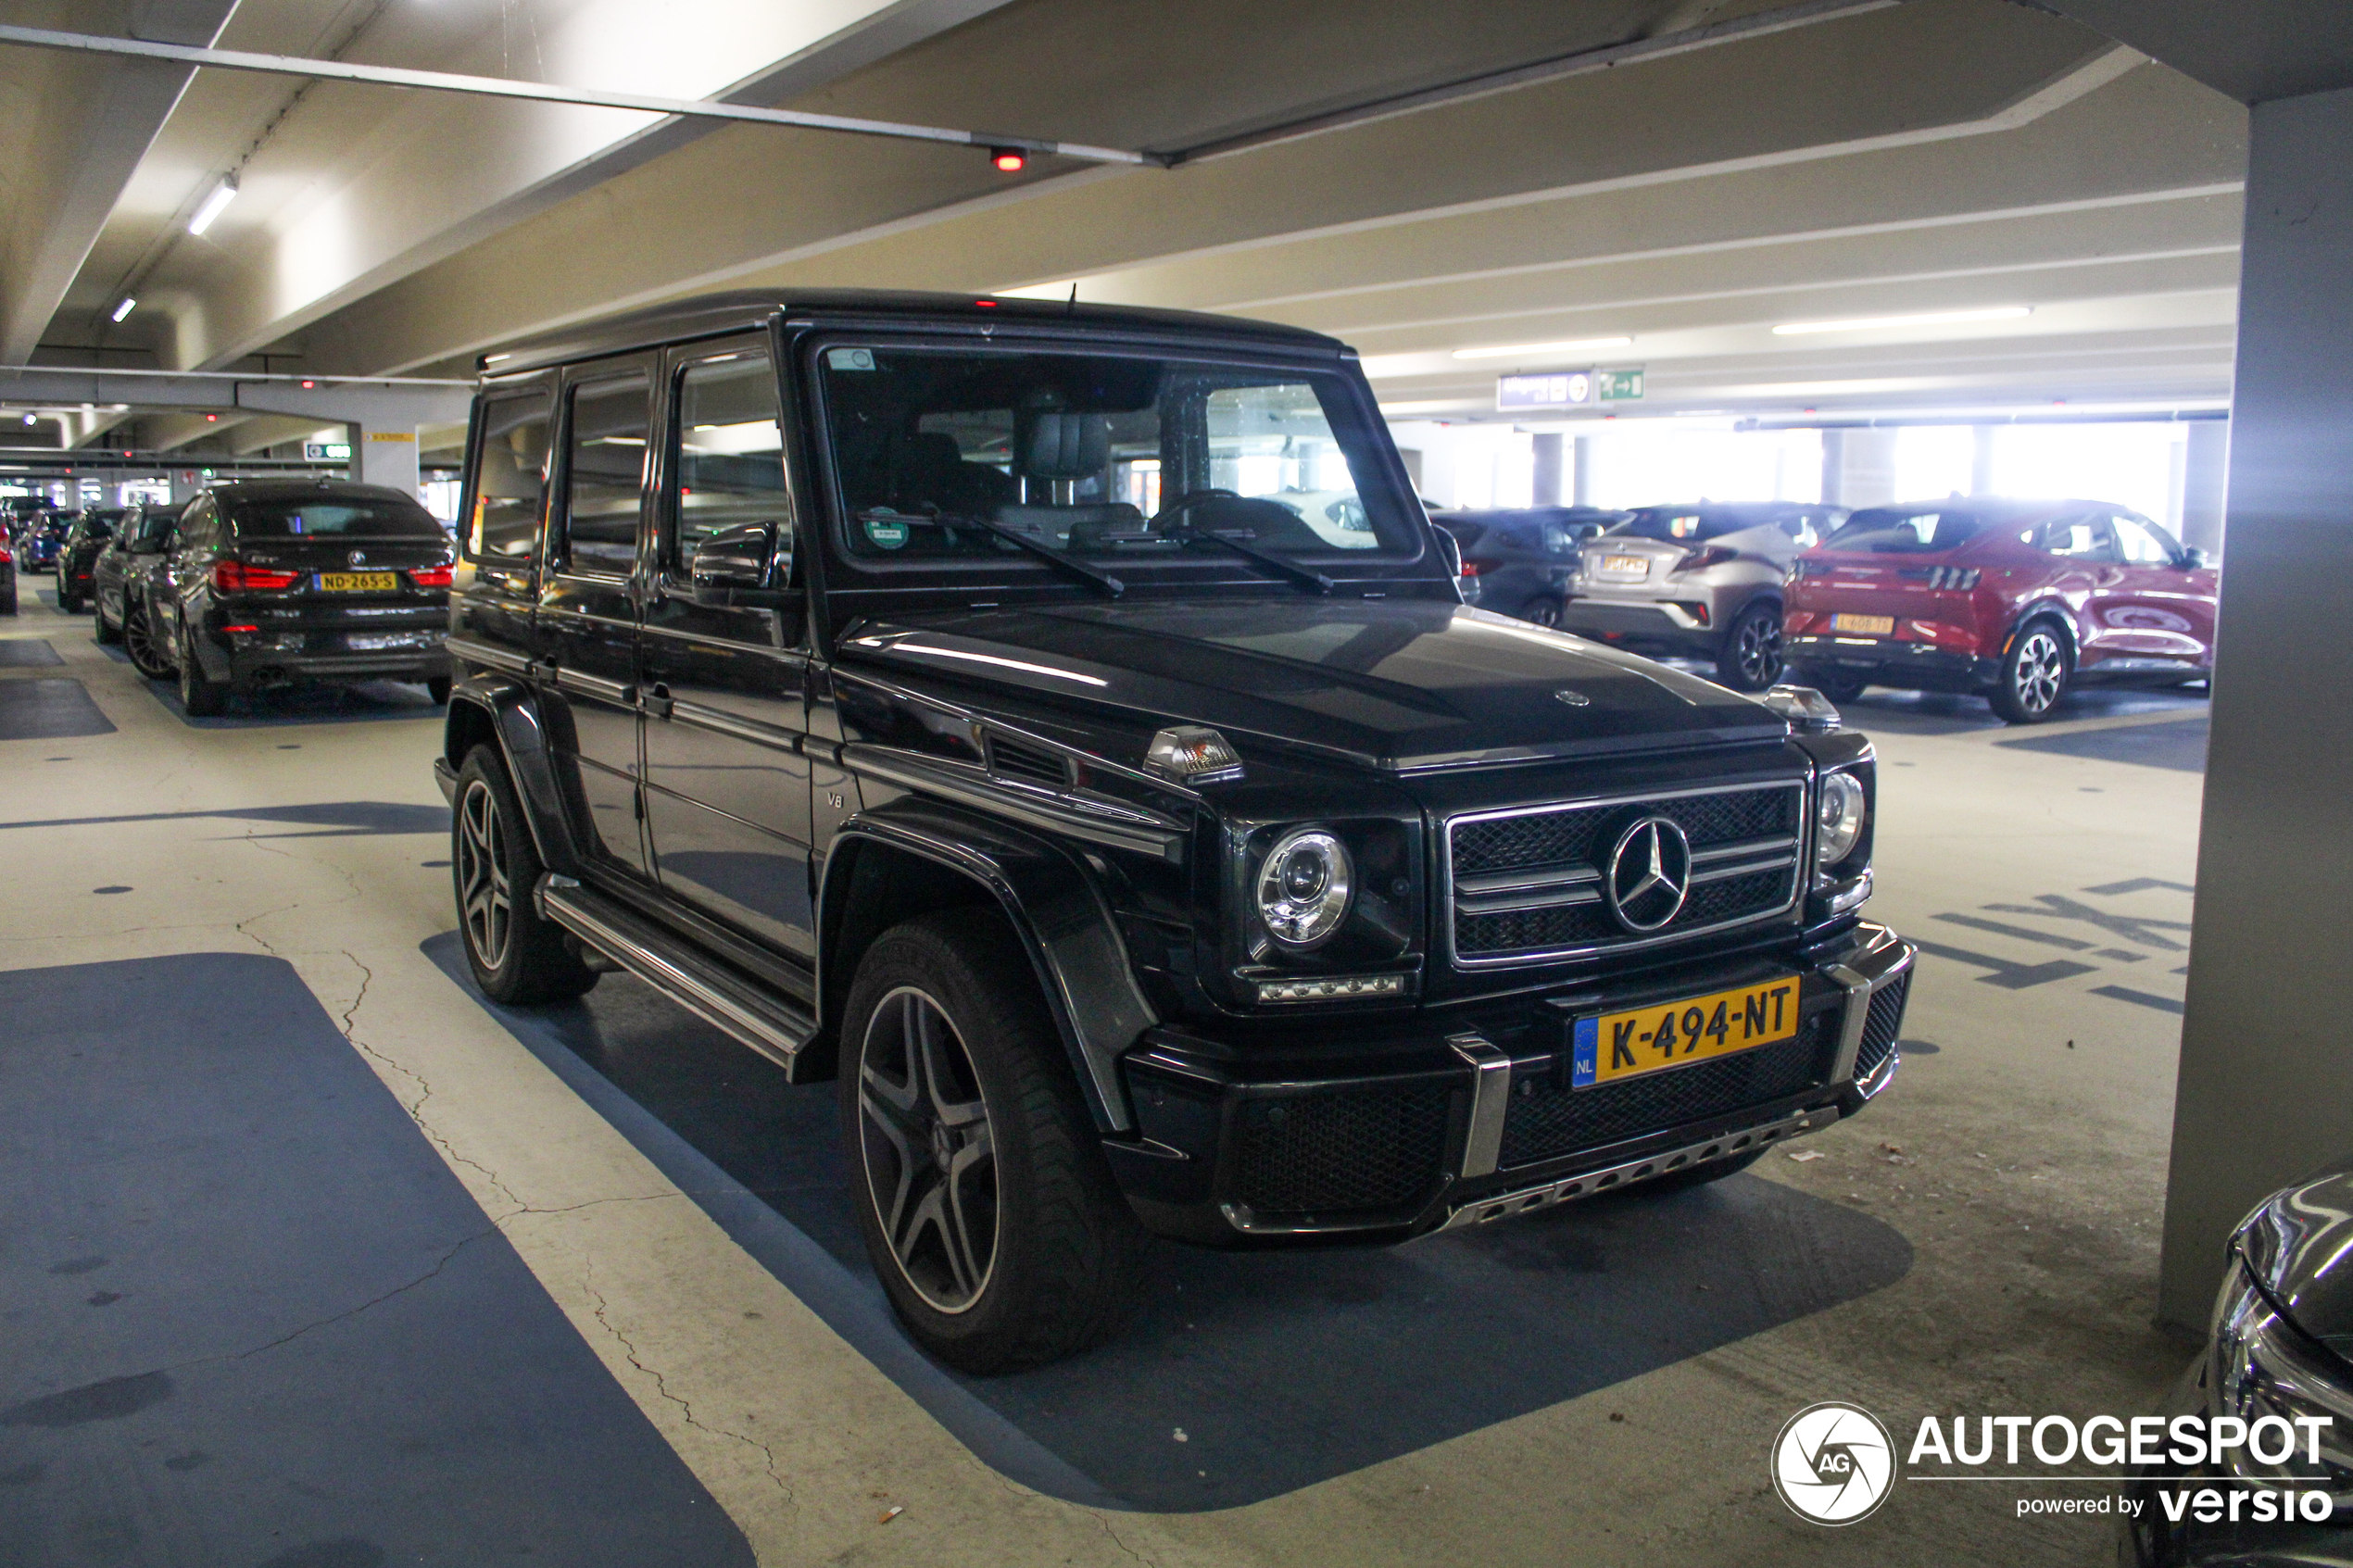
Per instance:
x=517, y=957
x=485, y=898
x=1752, y=657
x=2035, y=675
x=139, y=641
x=929, y=1161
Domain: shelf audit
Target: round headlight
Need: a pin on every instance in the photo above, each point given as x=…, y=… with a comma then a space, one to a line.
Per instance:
x=1838, y=819
x=1303, y=888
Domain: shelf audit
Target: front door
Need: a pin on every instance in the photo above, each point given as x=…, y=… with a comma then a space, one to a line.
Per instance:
x=725, y=686
x=587, y=619
x=2156, y=604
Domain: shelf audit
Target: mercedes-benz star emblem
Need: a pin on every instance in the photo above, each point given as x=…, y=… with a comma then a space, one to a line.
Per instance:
x=1649, y=871
x=358, y=558
x=1574, y=699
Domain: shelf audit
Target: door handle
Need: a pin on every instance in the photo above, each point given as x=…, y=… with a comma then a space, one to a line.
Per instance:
x=656, y=700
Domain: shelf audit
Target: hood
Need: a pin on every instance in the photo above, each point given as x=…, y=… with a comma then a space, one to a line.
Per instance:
x=1393, y=684
x=2299, y=1244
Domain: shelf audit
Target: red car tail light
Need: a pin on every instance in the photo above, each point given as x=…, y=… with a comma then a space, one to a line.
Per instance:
x=432, y=576
x=1700, y=561
x=236, y=577
x=1473, y=568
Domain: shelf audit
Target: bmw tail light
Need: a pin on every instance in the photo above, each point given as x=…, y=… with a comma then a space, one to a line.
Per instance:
x=236, y=577
x=431, y=576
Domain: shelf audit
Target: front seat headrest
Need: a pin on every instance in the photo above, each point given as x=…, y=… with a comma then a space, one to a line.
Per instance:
x=1067, y=446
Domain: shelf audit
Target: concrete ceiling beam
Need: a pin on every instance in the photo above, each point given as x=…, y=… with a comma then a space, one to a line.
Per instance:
x=2253, y=50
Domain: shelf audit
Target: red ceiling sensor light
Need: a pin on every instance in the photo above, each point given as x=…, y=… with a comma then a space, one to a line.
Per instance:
x=212, y=419
x=310, y=385
x=984, y=305
x=1007, y=160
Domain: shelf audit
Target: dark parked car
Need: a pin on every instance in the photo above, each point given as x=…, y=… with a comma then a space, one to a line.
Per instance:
x=277, y=581
x=8, y=576
x=1522, y=561
x=78, y=556
x=2281, y=1353
x=1204, y=873
x=122, y=581
x=1702, y=580
x=40, y=535
x=2021, y=600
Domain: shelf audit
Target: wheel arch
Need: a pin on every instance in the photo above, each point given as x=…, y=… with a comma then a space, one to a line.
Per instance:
x=2053, y=610
x=915, y=857
x=501, y=712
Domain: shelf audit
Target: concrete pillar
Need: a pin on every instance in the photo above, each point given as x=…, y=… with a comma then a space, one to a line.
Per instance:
x=1546, y=488
x=2266, y=1073
x=2205, y=458
x=1858, y=467
x=1581, y=495
x=387, y=458
x=1981, y=461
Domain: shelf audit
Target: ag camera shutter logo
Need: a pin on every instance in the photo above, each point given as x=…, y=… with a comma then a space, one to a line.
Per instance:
x=1834, y=1463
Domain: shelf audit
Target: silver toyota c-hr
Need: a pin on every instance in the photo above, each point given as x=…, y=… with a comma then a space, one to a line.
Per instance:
x=1698, y=581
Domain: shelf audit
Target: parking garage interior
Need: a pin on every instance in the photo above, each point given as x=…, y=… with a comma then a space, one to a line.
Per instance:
x=318, y=1257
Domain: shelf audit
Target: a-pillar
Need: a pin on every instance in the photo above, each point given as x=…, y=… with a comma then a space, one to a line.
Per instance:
x=2266, y=1070
x=1546, y=486
x=2205, y=458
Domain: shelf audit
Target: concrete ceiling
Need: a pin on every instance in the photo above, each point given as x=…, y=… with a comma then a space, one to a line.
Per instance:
x=1912, y=158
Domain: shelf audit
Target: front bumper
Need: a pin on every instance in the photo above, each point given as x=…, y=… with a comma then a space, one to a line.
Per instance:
x=1237, y=1148
x=1889, y=662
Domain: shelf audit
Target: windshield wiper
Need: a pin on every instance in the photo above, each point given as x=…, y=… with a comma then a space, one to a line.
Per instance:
x=1306, y=577
x=1103, y=582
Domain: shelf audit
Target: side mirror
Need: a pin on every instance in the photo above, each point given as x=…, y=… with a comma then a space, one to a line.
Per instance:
x=2195, y=558
x=731, y=568
x=1449, y=549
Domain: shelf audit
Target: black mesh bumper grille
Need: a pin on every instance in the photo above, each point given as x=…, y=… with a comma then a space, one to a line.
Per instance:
x=1882, y=1024
x=1353, y=1149
x=1547, y=1121
x=1581, y=838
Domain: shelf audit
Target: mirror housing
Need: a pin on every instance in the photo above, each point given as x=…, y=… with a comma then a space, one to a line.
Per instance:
x=731, y=568
x=2195, y=558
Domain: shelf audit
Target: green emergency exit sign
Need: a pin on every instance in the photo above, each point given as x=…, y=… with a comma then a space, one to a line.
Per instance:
x=1618, y=386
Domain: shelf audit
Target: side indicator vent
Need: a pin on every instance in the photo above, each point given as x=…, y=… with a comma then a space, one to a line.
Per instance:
x=1024, y=761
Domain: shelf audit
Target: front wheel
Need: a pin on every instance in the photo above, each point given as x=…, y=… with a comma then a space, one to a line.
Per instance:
x=1751, y=659
x=2035, y=673
x=517, y=958
x=987, y=1204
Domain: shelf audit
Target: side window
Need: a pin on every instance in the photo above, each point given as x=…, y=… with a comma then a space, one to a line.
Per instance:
x=2145, y=544
x=730, y=451
x=511, y=479
x=2084, y=537
x=604, y=476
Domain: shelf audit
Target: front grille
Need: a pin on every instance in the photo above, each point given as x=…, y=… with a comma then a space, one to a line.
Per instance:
x=1547, y=1119
x=1571, y=842
x=1324, y=1154
x=1881, y=1024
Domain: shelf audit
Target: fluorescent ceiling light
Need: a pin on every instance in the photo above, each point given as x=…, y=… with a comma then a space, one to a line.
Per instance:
x=1925, y=319
x=1577, y=345
x=126, y=307
x=214, y=205
x=1422, y=405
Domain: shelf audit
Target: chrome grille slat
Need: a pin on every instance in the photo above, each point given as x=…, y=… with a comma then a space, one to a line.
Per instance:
x=1523, y=885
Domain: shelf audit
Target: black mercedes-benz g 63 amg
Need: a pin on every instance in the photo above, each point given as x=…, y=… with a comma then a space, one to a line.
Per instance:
x=951, y=697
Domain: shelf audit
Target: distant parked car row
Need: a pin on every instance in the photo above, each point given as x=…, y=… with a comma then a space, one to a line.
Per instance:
x=2018, y=600
x=264, y=583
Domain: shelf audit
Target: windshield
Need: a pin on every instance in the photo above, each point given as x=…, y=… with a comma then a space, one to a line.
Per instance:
x=1106, y=457
x=1680, y=524
x=297, y=517
x=1885, y=531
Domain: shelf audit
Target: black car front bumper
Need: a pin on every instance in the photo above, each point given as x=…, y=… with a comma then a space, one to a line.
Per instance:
x=1240, y=1147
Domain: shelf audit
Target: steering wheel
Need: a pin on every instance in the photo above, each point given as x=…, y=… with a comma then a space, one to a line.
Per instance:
x=1193, y=498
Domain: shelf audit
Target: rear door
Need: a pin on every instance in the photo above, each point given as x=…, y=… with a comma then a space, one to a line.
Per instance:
x=586, y=623
x=726, y=686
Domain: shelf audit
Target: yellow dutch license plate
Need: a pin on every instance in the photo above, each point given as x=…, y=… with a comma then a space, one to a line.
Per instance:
x=1627, y=1044
x=1869, y=625
x=1632, y=565
x=358, y=581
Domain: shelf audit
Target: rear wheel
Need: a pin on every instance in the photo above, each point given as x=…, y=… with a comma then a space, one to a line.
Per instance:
x=1543, y=610
x=203, y=696
x=139, y=641
x=517, y=958
x=2035, y=673
x=984, y=1196
x=1751, y=659
x=1835, y=685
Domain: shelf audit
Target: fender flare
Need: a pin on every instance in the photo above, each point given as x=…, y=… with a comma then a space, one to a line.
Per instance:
x=2044, y=610
x=514, y=715
x=1053, y=902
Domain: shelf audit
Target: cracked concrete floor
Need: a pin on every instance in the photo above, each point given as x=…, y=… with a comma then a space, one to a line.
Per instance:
x=2021, y=1157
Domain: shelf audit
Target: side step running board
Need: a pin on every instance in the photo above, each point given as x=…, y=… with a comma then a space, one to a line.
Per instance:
x=776, y=1028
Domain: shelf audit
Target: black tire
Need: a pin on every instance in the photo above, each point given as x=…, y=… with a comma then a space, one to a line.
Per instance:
x=2037, y=668
x=200, y=695
x=1835, y=685
x=9, y=601
x=138, y=640
x=517, y=958
x=107, y=632
x=439, y=689
x=1751, y=659
x=1543, y=610
x=991, y=1135
x=68, y=601
x=1692, y=1176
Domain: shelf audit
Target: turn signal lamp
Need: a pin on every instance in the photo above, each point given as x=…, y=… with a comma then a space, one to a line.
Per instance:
x=1193, y=754
x=1009, y=160
x=1805, y=708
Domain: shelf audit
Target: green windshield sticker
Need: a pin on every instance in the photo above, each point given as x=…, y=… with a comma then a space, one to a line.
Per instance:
x=887, y=531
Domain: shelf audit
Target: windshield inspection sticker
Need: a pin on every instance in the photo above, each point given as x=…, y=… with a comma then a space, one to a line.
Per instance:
x=889, y=533
x=851, y=358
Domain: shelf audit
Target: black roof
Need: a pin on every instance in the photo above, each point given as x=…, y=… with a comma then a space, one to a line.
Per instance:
x=707, y=315
x=242, y=490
